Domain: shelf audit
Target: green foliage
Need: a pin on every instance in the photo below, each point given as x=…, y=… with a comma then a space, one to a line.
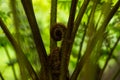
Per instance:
x=98, y=32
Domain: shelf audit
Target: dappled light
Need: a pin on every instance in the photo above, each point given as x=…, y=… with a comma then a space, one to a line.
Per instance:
x=59, y=39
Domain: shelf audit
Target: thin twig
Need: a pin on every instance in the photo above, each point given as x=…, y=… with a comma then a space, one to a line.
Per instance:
x=98, y=21
x=17, y=24
x=78, y=21
x=93, y=41
x=19, y=53
x=108, y=58
x=108, y=17
x=13, y=69
x=81, y=44
x=90, y=21
x=79, y=17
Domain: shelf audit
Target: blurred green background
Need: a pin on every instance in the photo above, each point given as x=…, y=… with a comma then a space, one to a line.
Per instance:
x=9, y=68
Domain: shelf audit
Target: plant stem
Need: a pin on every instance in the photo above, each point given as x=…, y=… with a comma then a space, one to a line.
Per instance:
x=53, y=43
x=79, y=17
x=27, y=4
x=81, y=44
x=19, y=53
x=16, y=20
x=65, y=47
x=93, y=41
x=108, y=58
x=10, y=60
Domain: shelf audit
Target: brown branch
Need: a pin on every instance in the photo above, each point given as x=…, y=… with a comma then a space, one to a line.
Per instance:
x=93, y=42
x=27, y=4
x=65, y=48
x=108, y=18
x=19, y=53
x=108, y=58
x=16, y=20
x=77, y=23
x=90, y=21
x=79, y=17
x=53, y=18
